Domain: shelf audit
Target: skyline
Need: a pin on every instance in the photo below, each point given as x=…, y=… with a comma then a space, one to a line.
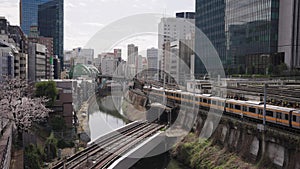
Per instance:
x=79, y=30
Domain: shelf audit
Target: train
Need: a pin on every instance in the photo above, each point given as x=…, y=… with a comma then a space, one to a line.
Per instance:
x=253, y=110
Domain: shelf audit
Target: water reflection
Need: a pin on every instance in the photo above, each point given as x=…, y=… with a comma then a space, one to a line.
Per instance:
x=103, y=118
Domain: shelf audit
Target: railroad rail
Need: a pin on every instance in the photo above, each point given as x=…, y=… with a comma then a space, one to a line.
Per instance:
x=106, y=150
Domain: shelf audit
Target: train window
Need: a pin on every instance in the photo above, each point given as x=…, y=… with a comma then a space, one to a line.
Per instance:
x=278, y=115
x=226, y=104
x=269, y=113
x=214, y=102
x=286, y=117
x=209, y=101
x=260, y=111
x=223, y=104
x=294, y=118
x=237, y=107
x=231, y=106
x=251, y=109
x=205, y=100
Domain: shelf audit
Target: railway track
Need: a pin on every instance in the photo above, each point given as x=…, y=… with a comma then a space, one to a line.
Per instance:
x=104, y=152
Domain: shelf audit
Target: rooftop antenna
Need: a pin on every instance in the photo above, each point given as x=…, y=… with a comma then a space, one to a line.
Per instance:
x=165, y=12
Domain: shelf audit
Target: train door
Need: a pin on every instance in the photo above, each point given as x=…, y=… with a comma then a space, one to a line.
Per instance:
x=290, y=118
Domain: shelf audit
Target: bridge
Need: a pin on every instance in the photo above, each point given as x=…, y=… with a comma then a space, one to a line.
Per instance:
x=111, y=149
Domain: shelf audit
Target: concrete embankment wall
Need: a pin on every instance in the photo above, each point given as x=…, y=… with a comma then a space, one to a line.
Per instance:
x=269, y=149
x=134, y=106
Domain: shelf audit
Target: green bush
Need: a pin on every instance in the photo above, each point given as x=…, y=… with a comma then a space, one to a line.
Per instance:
x=65, y=144
x=57, y=123
x=47, y=89
x=34, y=157
x=51, y=147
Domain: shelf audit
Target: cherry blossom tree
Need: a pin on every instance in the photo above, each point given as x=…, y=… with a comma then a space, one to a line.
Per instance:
x=18, y=105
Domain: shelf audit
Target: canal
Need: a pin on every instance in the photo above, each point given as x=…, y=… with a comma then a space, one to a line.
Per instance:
x=104, y=119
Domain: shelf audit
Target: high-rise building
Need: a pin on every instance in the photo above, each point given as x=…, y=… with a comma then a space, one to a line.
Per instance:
x=140, y=64
x=289, y=32
x=172, y=29
x=13, y=50
x=51, y=24
x=48, y=42
x=145, y=63
x=210, y=19
x=36, y=62
x=152, y=56
x=133, y=58
x=6, y=60
x=29, y=13
x=186, y=15
x=240, y=30
x=152, y=59
x=132, y=54
x=118, y=53
x=56, y=67
x=109, y=63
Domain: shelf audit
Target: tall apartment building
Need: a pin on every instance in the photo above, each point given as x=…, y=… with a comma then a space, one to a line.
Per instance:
x=51, y=24
x=6, y=59
x=13, y=43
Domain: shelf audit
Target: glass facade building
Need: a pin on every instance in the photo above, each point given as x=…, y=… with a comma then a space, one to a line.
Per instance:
x=238, y=28
x=29, y=13
x=210, y=19
x=51, y=24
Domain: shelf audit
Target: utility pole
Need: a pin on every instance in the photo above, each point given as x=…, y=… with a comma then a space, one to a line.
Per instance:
x=263, y=128
x=265, y=105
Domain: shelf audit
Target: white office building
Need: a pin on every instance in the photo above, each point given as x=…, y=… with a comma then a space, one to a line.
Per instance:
x=172, y=29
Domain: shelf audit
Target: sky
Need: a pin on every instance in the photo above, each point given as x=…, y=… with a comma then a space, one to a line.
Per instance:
x=84, y=18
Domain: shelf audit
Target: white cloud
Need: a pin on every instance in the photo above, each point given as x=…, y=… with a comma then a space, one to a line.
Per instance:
x=82, y=4
x=95, y=24
x=83, y=18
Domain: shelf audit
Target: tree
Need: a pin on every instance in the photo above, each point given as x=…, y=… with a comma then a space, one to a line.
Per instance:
x=51, y=147
x=18, y=105
x=58, y=123
x=47, y=89
x=282, y=67
x=34, y=157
